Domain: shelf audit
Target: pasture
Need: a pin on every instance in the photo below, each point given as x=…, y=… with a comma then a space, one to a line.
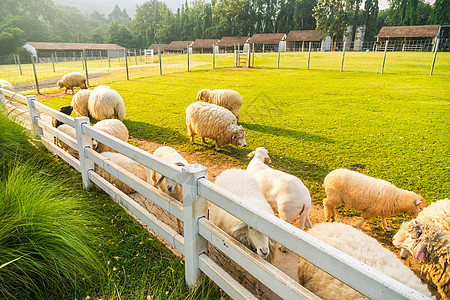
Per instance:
x=390, y=126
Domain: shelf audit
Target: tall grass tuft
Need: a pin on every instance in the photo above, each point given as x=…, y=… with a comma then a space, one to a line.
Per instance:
x=44, y=229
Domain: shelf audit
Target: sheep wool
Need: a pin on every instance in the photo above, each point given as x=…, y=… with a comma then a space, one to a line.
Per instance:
x=126, y=163
x=114, y=128
x=80, y=102
x=244, y=186
x=285, y=193
x=106, y=103
x=362, y=247
x=437, y=213
x=6, y=85
x=214, y=122
x=372, y=196
x=71, y=80
x=229, y=99
x=70, y=131
x=430, y=245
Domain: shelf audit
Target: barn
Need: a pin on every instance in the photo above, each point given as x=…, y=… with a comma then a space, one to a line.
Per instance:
x=156, y=47
x=407, y=38
x=204, y=45
x=298, y=40
x=268, y=42
x=46, y=52
x=178, y=47
x=231, y=43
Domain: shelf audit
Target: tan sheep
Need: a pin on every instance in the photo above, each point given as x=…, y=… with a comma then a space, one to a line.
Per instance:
x=106, y=103
x=112, y=127
x=229, y=99
x=372, y=196
x=80, y=102
x=71, y=80
x=214, y=122
x=126, y=163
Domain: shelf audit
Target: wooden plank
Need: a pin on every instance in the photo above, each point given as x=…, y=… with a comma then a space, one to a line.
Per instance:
x=55, y=114
x=72, y=161
x=70, y=141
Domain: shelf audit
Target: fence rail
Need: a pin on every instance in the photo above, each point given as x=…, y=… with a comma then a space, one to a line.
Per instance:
x=198, y=230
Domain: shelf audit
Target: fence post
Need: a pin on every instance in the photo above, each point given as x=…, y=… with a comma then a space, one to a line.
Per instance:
x=82, y=59
x=194, y=208
x=135, y=57
x=15, y=59
x=126, y=62
x=109, y=59
x=343, y=55
x=253, y=55
x=188, y=58
x=214, y=57
x=434, y=56
x=384, y=57
x=34, y=114
x=56, y=57
x=160, y=63
x=35, y=75
x=20, y=66
x=309, y=54
x=83, y=141
x=53, y=62
x=279, y=53
x=86, y=68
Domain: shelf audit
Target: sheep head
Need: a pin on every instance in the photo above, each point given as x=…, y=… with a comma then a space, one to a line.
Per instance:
x=263, y=154
x=417, y=204
x=169, y=186
x=60, y=84
x=251, y=238
x=238, y=136
x=203, y=95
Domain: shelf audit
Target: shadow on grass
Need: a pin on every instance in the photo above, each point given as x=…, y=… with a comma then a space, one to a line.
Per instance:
x=155, y=133
x=299, y=135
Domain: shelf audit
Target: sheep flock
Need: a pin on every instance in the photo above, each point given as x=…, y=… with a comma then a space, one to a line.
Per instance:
x=216, y=116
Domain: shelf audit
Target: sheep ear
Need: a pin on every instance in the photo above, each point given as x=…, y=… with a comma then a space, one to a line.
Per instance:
x=180, y=164
x=238, y=227
x=267, y=159
x=417, y=202
x=251, y=154
x=160, y=180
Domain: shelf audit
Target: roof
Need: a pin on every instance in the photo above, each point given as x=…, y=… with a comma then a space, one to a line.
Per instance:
x=267, y=38
x=228, y=41
x=179, y=45
x=408, y=31
x=154, y=47
x=74, y=46
x=304, y=35
x=199, y=43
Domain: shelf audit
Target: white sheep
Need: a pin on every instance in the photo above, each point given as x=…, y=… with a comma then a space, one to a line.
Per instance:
x=126, y=163
x=215, y=122
x=70, y=131
x=112, y=127
x=437, y=213
x=229, y=99
x=71, y=80
x=430, y=245
x=80, y=102
x=355, y=243
x=244, y=186
x=372, y=196
x=166, y=185
x=6, y=85
x=285, y=193
x=105, y=103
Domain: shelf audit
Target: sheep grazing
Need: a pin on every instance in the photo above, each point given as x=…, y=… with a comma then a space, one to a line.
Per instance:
x=437, y=213
x=80, y=102
x=66, y=110
x=215, y=122
x=229, y=99
x=67, y=129
x=362, y=247
x=71, y=80
x=126, y=163
x=285, y=193
x=372, y=196
x=106, y=103
x=112, y=127
x=244, y=186
x=430, y=245
x=6, y=85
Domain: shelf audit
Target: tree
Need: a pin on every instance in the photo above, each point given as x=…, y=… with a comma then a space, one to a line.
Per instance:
x=370, y=16
x=331, y=18
x=11, y=39
x=403, y=13
x=441, y=12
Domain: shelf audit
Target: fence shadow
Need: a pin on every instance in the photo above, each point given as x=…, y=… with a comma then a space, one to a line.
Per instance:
x=154, y=133
x=298, y=135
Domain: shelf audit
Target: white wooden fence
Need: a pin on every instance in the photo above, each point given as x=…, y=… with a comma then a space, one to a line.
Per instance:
x=198, y=230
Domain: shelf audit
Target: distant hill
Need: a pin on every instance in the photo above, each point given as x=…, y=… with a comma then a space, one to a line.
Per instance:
x=106, y=6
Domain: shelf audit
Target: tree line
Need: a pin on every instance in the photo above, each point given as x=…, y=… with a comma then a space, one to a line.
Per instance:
x=154, y=22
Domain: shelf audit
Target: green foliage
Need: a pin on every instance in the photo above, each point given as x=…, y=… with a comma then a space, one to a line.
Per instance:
x=441, y=12
x=331, y=18
x=370, y=16
x=10, y=40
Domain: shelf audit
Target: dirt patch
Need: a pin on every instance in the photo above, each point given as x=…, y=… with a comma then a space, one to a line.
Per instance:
x=48, y=83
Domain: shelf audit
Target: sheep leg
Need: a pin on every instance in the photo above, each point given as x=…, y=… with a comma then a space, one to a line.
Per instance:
x=329, y=210
x=180, y=231
x=361, y=222
x=384, y=224
x=217, y=147
x=203, y=140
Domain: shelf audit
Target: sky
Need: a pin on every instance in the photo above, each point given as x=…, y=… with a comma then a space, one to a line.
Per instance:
x=106, y=6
